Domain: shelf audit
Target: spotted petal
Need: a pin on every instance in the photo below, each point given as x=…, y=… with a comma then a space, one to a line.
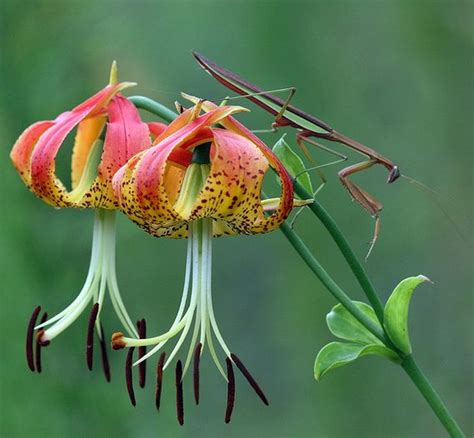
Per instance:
x=143, y=185
x=232, y=189
x=149, y=185
x=269, y=223
x=35, y=151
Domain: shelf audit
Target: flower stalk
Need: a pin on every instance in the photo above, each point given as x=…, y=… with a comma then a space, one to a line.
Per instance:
x=346, y=250
x=408, y=362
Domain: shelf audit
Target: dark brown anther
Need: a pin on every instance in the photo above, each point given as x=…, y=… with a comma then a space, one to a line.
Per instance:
x=90, y=335
x=104, y=354
x=39, y=345
x=179, y=393
x=141, y=326
x=197, y=360
x=249, y=378
x=230, y=390
x=29, y=338
x=129, y=375
x=159, y=379
x=39, y=336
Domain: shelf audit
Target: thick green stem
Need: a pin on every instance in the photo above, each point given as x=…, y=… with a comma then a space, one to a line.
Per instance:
x=330, y=284
x=432, y=397
x=408, y=363
x=153, y=107
x=346, y=250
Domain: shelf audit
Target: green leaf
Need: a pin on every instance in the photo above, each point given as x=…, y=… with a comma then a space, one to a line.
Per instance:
x=396, y=312
x=343, y=325
x=293, y=163
x=338, y=354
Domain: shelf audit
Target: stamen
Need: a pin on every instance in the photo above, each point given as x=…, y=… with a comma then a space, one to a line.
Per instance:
x=38, y=346
x=104, y=354
x=197, y=359
x=230, y=390
x=159, y=379
x=141, y=325
x=179, y=393
x=117, y=341
x=29, y=338
x=39, y=338
x=90, y=335
x=129, y=376
x=249, y=378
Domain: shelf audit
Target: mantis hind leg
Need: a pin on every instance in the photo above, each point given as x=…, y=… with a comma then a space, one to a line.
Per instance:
x=366, y=200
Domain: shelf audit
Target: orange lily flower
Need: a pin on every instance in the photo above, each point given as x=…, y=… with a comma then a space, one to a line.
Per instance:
x=201, y=179
x=109, y=132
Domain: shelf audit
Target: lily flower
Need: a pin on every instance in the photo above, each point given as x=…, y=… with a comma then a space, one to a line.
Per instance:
x=201, y=179
x=109, y=132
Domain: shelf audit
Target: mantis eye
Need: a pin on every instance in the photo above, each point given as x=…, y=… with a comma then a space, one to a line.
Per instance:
x=394, y=174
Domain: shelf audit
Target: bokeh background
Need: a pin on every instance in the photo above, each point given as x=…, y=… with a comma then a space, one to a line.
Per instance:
x=397, y=75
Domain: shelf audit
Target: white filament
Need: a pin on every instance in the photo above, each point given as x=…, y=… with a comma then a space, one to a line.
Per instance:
x=101, y=277
x=198, y=301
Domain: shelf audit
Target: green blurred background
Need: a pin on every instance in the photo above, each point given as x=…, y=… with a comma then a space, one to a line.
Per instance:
x=397, y=75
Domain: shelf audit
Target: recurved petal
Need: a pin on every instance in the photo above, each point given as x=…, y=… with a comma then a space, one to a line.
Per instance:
x=232, y=189
x=156, y=129
x=126, y=136
x=23, y=148
x=150, y=188
x=286, y=200
x=161, y=131
x=180, y=122
x=126, y=194
x=88, y=131
x=141, y=186
x=44, y=182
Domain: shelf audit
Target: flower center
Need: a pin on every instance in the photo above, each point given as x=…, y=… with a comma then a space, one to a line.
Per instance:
x=194, y=180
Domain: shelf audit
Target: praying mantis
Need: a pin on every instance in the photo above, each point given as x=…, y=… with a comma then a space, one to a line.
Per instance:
x=309, y=126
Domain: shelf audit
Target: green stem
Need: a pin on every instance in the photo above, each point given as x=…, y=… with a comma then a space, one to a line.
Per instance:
x=153, y=107
x=346, y=250
x=330, y=284
x=432, y=397
x=408, y=363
